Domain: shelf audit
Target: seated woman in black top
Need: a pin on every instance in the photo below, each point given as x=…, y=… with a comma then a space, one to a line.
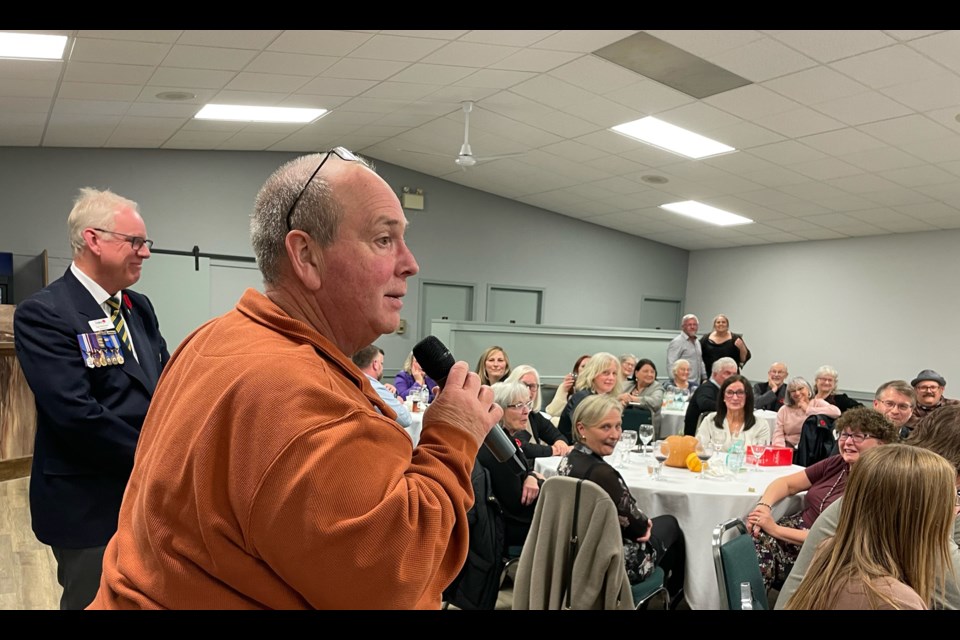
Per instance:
x=540, y=439
x=646, y=542
x=825, y=388
x=601, y=376
x=516, y=491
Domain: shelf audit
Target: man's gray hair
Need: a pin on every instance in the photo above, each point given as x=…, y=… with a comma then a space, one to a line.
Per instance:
x=318, y=212
x=723, y=363
x=94, y=209
x=900, y=386
x=688, y=316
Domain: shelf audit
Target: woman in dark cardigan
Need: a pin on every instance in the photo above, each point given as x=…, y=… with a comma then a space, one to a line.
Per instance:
x=541, y=439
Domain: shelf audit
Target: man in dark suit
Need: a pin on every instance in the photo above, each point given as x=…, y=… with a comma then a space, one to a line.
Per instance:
x=92, y=352
x=704, y=399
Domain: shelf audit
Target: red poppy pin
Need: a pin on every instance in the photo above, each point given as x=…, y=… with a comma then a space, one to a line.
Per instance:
x=519, y=444
x=126, y=302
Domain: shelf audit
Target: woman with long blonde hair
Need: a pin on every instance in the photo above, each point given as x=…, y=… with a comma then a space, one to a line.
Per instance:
x=601, y=376
x=891, y=548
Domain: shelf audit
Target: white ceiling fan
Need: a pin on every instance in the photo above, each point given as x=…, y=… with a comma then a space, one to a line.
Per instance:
x=466, y=158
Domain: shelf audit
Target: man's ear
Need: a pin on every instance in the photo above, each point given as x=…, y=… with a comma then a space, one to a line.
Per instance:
x=92, y=241
x=306, y=262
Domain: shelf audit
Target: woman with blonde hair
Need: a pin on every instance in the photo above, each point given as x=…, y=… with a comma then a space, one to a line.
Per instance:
x=493, y=366
x=601, y=376
x=891, y=548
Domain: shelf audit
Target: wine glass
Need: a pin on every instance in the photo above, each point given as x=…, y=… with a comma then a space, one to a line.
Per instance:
x=661, y=451
x=704, y=451
x=757, y=449
x=628, y=440
x=645, y=433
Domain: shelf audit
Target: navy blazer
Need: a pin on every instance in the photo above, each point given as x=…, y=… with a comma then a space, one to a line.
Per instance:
x=88, y=420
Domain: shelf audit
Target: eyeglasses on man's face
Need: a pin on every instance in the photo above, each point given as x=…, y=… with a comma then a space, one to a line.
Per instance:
x=341, y=153
x=928, y=387
x=135, y=241
x=520, y=406
x=902, y=406
x=856, y=437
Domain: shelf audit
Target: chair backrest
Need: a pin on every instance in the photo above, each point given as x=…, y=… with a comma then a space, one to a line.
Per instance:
x=597, y=578
x=633, y=417
x=816, y=442
x=735, y=559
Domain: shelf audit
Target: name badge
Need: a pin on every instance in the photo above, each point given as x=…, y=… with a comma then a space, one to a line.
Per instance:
x=101, y=324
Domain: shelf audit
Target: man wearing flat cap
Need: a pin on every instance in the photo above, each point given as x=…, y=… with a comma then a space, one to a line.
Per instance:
x=929, y=386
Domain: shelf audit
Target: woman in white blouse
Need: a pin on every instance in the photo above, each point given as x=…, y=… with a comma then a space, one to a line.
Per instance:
x=734, y=419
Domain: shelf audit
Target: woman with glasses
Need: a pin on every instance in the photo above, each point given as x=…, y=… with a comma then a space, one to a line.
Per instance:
x=601, y=376
x=797, y=405
x=879, y=557
x=540, y=439
x=515, y=490
x=778, y=542
x=734, y=418
x=825, y=388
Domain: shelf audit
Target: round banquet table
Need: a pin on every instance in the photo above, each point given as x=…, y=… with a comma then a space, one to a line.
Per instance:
x=699, y=506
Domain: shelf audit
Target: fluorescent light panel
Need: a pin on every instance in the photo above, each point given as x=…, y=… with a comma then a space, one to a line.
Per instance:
x=706, y=213
x=32, y=45
x=240, y=113
x=672, y=138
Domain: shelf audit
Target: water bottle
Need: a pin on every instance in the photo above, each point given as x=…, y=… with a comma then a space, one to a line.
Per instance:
x=736, y=456
x=746, y=596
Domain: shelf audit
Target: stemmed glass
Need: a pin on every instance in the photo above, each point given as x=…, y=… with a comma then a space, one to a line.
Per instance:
x=757, y=449
x=704, y=452
x=646, y=435
x=628, y=440
x=661, y=451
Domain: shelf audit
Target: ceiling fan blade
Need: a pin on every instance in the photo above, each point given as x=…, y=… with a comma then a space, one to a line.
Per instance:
x=425, y=153
x=499, y=156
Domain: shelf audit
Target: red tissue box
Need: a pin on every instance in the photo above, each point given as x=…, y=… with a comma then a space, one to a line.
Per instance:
x=773, y=457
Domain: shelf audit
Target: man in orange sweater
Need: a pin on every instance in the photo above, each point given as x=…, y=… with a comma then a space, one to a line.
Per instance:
x=269, y=473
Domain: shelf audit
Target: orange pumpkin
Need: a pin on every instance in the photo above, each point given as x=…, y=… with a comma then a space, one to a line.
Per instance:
x=680, y=448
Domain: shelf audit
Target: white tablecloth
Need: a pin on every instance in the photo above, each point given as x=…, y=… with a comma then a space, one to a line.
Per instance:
x=699, y=506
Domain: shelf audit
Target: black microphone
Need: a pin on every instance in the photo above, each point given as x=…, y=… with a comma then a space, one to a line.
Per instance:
x=436, y=360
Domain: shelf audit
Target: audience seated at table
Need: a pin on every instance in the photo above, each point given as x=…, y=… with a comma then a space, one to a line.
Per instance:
x=825, y=388
x=798, y=404
x=540, y=439
x=734, y=418
x=778, y=543
x=643, y=390
x=647, y=542
x=515, y=490
x=412, y=378
x=891, y=547
x=680, y=379
x=939, y=433
x=493, y=366
x=600, y=376
x=565, y=389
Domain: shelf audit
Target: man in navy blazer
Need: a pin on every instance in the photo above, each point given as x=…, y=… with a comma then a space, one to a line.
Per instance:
x=92, y=390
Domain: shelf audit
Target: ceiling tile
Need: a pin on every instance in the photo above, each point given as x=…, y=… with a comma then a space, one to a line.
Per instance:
x=534, y=60
x=830, y=45
x=594, y=74
x=118, y=51
x=862, y=108
x=318, y=43
x=510, y=37
x=108, y=73
x=762, y=59
x=98, y=91
x=752, y=101
x=294, y=64
x=436, y=74
x=930, y=93
x=397, y=48
x=30, y=69
x=468, y=54
x=190, y=78
x=799, y=122
x=888, y=66
x=581, y=40
x=816, y=85
x=194, y=57
x=356, y=69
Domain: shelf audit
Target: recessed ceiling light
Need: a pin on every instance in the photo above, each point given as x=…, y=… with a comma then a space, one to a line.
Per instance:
x=706, y=213
x=176, y=95
x=672, y=138
x=32, y=45
x=242, y=113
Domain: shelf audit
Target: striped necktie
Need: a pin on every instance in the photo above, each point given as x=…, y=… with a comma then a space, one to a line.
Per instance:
x=117, y=319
